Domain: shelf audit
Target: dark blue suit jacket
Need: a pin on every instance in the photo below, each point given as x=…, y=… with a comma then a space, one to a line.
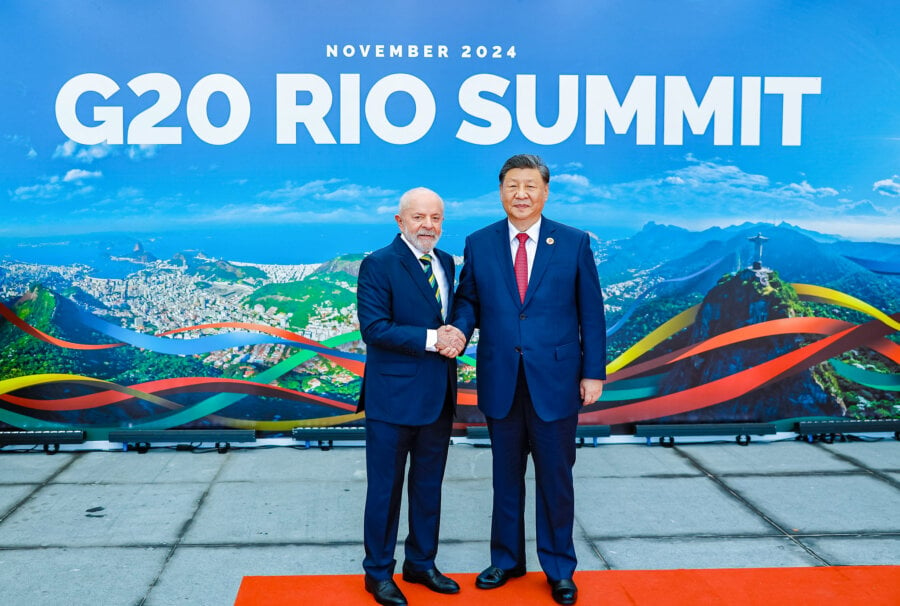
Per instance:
x=559, y=332
x=402, y=383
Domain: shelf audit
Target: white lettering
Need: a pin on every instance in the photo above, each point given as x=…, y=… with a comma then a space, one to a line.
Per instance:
x=526, y=110
x=639, y=106
x=110, y=118
x=288, y=114
x=793, y=90
x=423, y=118
x=350, y=108
x=143, y=130
x=308, y=99
x=498, y=117
x=198, y=116
x=750, y=110
x=717, y=104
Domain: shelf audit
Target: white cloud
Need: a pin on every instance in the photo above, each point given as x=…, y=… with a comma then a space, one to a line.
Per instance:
x=129, y=192
x=77, y=174
x=862, y=208
x=55, y=188
x=85, y=154
x=65, y=150
x=332, y=191
x=21, y=142
x=806, y=190
x=888, y=187
x=703, y=193
x=292, y=192
x=356, y=193
x=142, y=152
x=283, y=214
x=38, y=192
x=579, y=180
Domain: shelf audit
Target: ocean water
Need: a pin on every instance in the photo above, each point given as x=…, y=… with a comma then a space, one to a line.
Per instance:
x=287, y=244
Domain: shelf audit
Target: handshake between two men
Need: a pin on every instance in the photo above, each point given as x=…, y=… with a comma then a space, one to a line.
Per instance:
x=450, y=341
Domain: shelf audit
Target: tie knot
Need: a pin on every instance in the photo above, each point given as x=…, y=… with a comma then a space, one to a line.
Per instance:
x=426, y=259
x=522, y=236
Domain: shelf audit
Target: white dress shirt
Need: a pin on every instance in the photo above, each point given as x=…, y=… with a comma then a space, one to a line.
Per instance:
x=534, y=232
x=438, y=270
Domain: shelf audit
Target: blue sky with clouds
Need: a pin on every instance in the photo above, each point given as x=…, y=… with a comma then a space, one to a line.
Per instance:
x=844, y=177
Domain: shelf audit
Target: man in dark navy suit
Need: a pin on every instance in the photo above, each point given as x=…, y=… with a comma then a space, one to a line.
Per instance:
x=405, y=291
x=530, y=286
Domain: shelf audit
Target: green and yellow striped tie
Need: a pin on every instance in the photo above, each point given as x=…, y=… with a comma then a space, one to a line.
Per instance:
x=429, y=274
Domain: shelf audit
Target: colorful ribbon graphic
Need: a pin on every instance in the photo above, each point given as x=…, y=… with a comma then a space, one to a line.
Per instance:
x=634, y=385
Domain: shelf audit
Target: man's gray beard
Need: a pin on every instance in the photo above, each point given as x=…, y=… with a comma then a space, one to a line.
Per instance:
x=426, y=247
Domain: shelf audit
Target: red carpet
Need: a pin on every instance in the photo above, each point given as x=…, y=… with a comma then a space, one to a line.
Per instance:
x=840, y=585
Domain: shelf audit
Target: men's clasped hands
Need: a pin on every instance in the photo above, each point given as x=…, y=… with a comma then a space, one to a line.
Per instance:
x=451, y=342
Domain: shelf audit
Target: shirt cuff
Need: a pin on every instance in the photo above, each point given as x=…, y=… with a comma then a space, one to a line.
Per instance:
x=430, y=339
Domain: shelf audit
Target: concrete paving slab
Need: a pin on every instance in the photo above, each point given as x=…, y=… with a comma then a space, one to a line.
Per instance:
x=211, y=576
x=883, y=455
x=824, y=504
x=281, y=512
x=273, y=465
x=630, y=460
x=31, y=467
x=467, y=462
x=634, y=507
x=765, y=458
x=856, y=550
x=466, y=510
x=73, y=515
x=708, y=552
x=78, y=576
x=157, y=466
x=12, y=494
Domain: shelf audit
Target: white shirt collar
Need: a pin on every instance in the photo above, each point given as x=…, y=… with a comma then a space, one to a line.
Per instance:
x=533, y=232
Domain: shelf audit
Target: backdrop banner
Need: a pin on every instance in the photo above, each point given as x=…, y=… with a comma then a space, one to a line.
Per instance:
x=190, y=188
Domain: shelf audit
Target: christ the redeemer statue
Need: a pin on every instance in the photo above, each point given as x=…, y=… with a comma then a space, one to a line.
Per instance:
x=758, y=239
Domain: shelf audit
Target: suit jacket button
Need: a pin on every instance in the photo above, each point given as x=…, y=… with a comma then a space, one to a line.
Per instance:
x=519, y=349
x=522, y=317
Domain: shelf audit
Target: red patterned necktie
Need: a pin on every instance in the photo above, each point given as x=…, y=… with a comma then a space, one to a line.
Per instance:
x=521, y=266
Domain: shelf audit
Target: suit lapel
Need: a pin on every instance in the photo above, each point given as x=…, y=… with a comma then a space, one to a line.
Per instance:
x=503, y=254
x=449, y=268
x=543, y=253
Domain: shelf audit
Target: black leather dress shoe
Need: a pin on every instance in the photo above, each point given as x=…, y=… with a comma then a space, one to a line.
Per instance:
x=564, y=591
x=493, y=577
x=432, y=579
x=386, y=592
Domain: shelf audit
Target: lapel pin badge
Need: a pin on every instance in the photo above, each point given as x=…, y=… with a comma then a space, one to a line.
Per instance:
x=550, y=241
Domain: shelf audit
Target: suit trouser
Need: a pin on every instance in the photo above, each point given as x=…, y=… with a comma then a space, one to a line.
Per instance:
x=552, y=448
x=387, y=448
